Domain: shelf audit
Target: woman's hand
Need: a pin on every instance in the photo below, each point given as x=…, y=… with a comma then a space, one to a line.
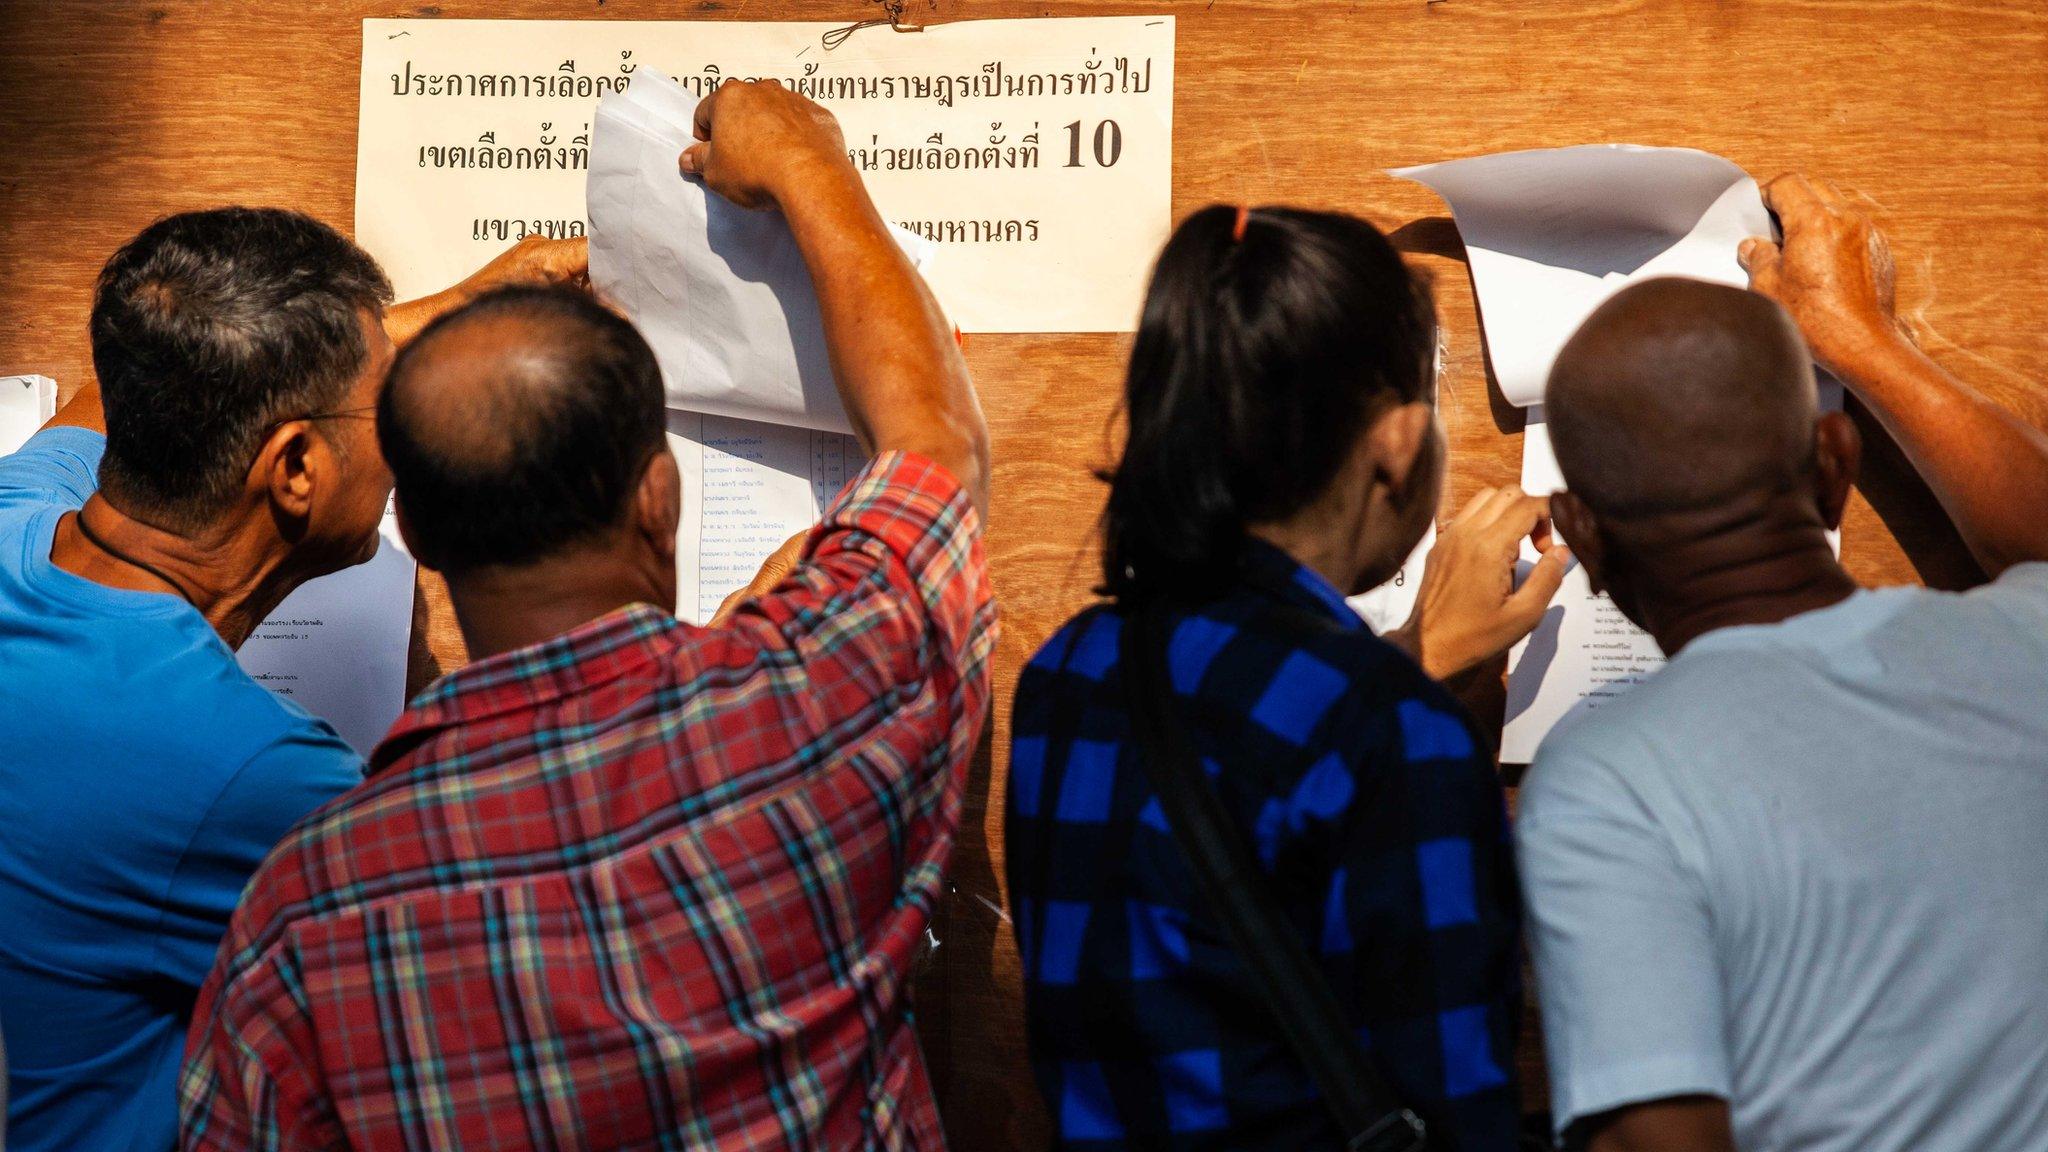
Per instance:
x=1468, y=609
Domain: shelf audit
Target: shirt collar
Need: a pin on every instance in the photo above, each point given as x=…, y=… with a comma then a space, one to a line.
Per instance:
x=1846, y=620
x=591, y=654
x=1278, y=575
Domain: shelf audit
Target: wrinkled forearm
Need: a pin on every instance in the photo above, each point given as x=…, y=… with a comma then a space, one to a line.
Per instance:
x=1988, y=468
x=901, y=376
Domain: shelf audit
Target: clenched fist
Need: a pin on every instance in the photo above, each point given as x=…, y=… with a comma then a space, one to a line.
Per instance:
x=761, y=141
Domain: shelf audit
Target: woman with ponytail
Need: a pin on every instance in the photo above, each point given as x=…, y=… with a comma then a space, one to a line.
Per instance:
x=1283, y=453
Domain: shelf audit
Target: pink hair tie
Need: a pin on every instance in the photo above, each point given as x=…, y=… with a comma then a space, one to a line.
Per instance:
x=1244, y=216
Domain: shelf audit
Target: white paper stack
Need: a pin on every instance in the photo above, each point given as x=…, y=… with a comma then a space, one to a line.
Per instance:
x=339, y=644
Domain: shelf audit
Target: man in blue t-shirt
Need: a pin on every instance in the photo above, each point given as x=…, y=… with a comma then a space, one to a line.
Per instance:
x=143, y=776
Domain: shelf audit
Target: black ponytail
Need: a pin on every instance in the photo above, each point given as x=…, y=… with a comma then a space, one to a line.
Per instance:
x=1259, y=361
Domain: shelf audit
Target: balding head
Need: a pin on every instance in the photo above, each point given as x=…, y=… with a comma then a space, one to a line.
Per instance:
x=1677, y=395
x=519, y=428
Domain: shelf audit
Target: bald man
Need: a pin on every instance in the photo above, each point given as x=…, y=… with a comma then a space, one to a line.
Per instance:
x=626, y=883
x=1789, y=894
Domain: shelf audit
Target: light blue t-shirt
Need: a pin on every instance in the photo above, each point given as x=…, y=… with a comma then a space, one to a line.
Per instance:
x=1805, y=869
x=143, y=777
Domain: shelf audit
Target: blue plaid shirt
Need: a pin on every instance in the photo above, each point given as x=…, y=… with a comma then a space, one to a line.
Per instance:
x=1372, y=802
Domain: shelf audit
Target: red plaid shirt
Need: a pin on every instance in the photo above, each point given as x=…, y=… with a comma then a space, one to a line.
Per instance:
x=644, y=885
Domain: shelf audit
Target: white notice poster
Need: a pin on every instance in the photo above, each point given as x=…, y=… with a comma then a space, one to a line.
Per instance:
x=1035, y=154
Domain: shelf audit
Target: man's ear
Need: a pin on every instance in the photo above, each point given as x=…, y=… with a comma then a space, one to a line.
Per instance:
x=287, y=469
x=1837, y=459
x=1581, y=531
x=406, y=533
x=658, y=504
x=1399, y=446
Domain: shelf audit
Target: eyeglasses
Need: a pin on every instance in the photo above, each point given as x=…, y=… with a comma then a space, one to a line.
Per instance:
x=366, y=412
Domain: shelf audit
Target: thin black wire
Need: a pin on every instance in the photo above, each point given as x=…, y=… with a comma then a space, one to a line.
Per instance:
x=894, y=19
x=78, y=518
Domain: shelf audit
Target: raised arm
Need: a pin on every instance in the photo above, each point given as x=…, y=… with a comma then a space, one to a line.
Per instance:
x=1988, y=468
x=900, y=374
x=534, y=260
x=83, y=410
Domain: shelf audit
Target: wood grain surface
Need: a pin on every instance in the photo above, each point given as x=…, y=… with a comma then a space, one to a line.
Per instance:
x=112, y=114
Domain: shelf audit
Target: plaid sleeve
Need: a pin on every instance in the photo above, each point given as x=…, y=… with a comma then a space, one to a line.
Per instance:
x=245, y=1086
x=892, y=595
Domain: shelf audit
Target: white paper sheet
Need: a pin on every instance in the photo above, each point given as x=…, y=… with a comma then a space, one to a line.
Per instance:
x=1036, y=154
x=747, y=488
x=25, y=402
x=720, y=292
x=1585, y=650
x=1552, y=233
x=338, y=646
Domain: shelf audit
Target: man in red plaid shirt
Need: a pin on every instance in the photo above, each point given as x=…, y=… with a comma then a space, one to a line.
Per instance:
x=624, y=882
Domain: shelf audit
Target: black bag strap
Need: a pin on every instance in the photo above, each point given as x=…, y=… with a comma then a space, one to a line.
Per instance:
x=1359, y=1098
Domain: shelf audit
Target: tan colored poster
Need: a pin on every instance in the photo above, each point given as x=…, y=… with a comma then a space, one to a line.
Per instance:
x=1035, y=154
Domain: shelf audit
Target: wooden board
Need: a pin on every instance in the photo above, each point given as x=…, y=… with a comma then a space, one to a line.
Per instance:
x=115, y=113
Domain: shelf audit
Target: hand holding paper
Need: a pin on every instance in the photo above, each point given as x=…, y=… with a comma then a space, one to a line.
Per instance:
x=1551, y=233
x=1837, y=284
x=1469, y=609
x=794, y=142
x=720, y=291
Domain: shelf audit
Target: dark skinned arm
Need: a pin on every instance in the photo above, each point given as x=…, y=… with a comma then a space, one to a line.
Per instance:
x=1680, y=1124
x=1834, y=275
x=899, y=372
x=83, y=411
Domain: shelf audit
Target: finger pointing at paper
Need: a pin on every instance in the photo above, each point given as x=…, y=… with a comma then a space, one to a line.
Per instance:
x=1468, y=609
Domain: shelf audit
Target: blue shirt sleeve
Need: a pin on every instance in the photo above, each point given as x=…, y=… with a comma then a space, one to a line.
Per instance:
x=57, y=466
x=260, y=803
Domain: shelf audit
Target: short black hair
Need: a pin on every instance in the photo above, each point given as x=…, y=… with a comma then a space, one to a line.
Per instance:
x=517, y=427
x=1265, y=349
x=207, y=329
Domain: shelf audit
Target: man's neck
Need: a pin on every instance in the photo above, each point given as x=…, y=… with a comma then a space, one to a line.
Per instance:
x=1763, y=576
x=500, y=609
x=233, y=573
